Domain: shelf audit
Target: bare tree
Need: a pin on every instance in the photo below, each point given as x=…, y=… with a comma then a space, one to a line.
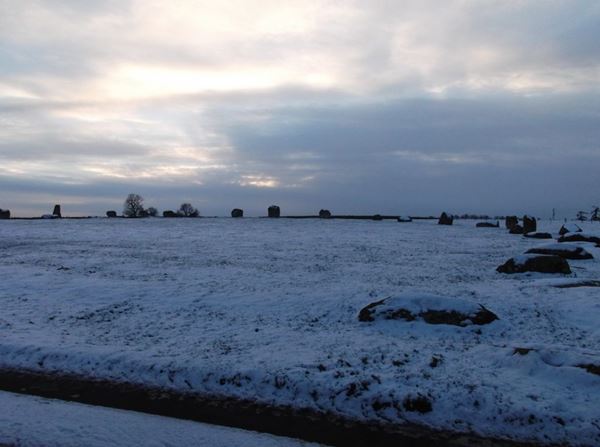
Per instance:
x=134, y=206
x=187, y=210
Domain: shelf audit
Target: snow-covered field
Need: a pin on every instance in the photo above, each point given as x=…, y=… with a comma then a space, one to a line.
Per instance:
x=267, y=309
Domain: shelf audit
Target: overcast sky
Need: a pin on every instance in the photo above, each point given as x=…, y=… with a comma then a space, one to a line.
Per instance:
x=404, y=107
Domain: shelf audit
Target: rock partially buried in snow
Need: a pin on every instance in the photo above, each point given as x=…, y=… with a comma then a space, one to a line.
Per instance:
x=431, y=309
x=569, y=228
x=537, y=235
x=579, y=237
x=566, y=251
x=535, y=263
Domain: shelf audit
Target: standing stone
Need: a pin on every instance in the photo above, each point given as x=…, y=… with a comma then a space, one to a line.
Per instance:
x=236, y=212
x=529, y=224
x=511, y=221
x=445, y=219
x=4, y=214
x=274, y=211
x=56, y=211
x=111, y=214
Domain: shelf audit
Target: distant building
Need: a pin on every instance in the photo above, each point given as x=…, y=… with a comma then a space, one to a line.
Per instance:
x=4, y=214
x=111, y=214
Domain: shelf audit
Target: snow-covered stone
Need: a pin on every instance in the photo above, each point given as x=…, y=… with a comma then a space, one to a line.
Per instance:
x=431, y=309
x=580, y=237
x=564, y=250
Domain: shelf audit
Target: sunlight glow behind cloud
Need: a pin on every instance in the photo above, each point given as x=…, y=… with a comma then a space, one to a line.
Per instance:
x=138, y=81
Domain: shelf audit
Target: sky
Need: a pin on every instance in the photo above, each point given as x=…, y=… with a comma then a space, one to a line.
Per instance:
x=395, y=107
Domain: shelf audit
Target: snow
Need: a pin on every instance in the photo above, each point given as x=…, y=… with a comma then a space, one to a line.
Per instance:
x=267, y=309
x=31, y=421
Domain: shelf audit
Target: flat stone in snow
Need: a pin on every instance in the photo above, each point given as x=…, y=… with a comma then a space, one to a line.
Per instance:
x=566, y=251
x=538, y=235
x=431, y=309
x=535, y=263
x=580, y=237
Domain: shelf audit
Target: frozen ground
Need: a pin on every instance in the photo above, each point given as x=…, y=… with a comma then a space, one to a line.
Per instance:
x=267, y=309
x=29, y=421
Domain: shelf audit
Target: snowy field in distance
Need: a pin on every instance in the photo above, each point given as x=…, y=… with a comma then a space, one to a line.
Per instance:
x=267, y=309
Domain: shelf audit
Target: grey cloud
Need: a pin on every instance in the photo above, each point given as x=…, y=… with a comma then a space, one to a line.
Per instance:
x=484, y=126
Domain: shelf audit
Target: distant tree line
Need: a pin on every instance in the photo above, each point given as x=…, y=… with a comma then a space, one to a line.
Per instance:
x=477, y=216
x=134, y=208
